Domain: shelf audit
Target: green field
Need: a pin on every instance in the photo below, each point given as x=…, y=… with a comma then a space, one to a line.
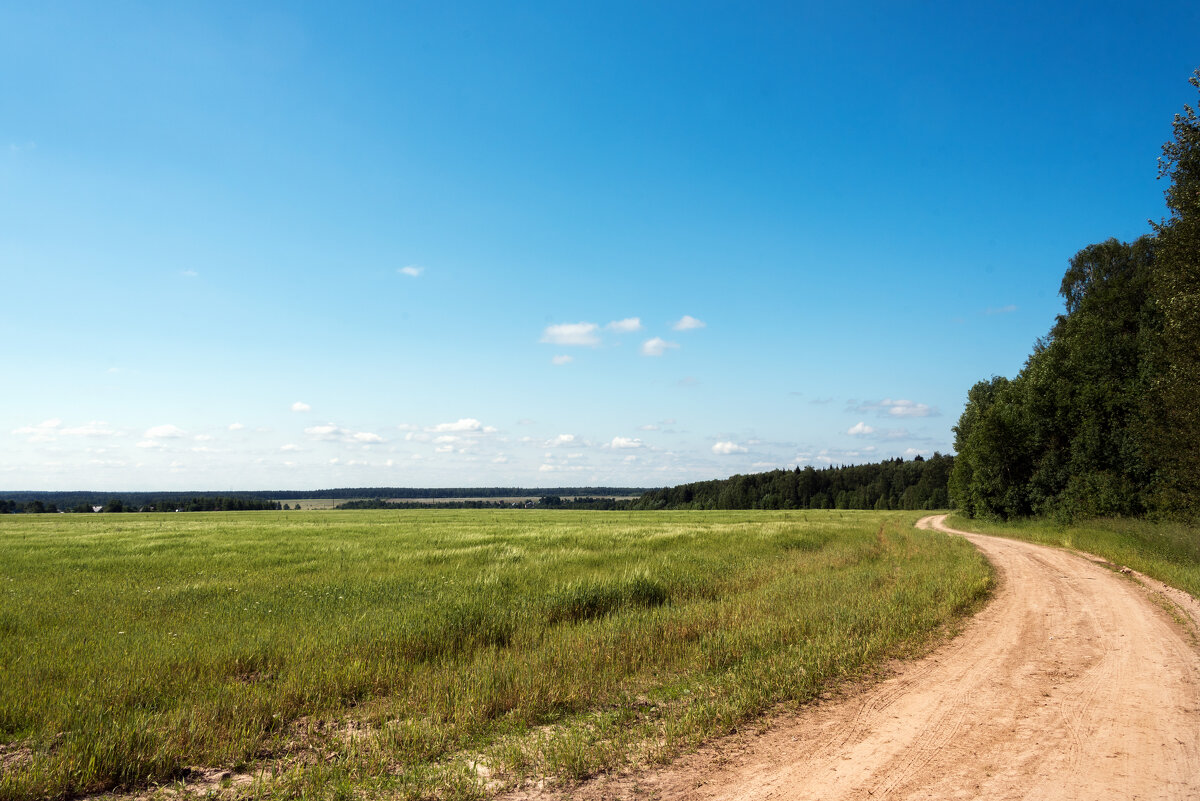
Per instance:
x=439, y=654
x=1167, y=551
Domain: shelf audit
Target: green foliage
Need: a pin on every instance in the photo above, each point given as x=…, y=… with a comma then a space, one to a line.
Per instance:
x=1103, y=419
x=891, y=484
x=383, y=653
x=1175, y=401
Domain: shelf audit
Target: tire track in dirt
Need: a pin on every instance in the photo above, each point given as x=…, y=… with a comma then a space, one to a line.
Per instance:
x=1073, y=683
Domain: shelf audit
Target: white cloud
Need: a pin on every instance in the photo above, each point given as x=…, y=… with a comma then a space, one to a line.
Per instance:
x=331, y=432
x=687, y=323
x=561, y=440
x=657, y=346
x=188, y=273
x=150, y=443
x=289, y=447
x=325, y=431
x=444, y=449
x=236, y=426
x=202, y=438
x=621, y=443
x=42, y=432
x=301, y=406
x=626, y=326
x=96, y=428
x=905, y=408
x=889, y=407
x=572, y=334
x=648, y=427
x=1009, y=309
x=463, y=424
x=164, y=432
x=726, y=448
x=442, y=440
x=412, y=270
x=561, y=360
x=859, y=429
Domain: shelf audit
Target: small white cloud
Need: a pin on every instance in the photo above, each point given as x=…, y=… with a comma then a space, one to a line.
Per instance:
x=501, y=459
x=301, y=406
x=412, y=270
x=648, y=427
x=909, y=409
x=622, y=443
x=626, y=326
x=561, y=440
x=889, y=407
x=726, y=448
x=657, y=346
x=289, y=447
x=561, y=360
x=366, y=437
x=150, y=443
x=164, y=432
x=96, y=428
x=236, y=426
x=1009, y=309
x=444, y=449
x=442, y=440
x=572, y=334
x=860, y=429
x=463, y=424
x=42, y=432
x=687, y=323
x=327, y=431
x=188, y=273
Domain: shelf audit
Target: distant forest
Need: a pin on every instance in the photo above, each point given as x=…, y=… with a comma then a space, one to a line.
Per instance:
x=1104, y=419
x=155, y=504
x=893, y=484
x=191, y=501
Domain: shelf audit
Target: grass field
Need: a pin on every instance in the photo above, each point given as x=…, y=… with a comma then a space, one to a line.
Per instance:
x=435, y=654
x=1169, y=552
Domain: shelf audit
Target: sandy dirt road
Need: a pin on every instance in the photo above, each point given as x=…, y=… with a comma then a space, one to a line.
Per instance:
x=1075, y=682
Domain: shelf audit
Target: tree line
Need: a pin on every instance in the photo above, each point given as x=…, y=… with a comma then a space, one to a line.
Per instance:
x=1104, y=418
x=195, y=504
x=890, y=484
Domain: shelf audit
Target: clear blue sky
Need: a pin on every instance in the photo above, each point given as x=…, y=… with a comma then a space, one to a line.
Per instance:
x=450, y=244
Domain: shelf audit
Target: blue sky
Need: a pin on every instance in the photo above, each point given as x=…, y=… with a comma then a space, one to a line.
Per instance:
x=250, y=246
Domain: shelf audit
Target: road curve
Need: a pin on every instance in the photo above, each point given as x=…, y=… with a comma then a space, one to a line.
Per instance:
x=1074, y=682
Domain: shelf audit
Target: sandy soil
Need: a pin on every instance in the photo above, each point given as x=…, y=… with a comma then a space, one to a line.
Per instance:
x=1075, y=682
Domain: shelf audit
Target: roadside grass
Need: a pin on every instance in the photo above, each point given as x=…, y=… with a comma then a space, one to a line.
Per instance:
x=1169, y=552
x=435, y=654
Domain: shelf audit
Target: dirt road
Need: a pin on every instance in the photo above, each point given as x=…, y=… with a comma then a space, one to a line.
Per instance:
x=1075, y=682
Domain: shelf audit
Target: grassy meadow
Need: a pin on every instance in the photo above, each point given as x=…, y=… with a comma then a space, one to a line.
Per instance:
x=435, y=654
x=1167, y=551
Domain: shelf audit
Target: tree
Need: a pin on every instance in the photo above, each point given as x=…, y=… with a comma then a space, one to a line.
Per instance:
x=1175, y=441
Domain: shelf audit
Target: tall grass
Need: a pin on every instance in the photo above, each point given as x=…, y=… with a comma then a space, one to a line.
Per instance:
x=395, y=653
x=1169, y=552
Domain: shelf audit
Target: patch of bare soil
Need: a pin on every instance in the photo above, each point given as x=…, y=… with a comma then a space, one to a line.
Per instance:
x=1075, y=682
